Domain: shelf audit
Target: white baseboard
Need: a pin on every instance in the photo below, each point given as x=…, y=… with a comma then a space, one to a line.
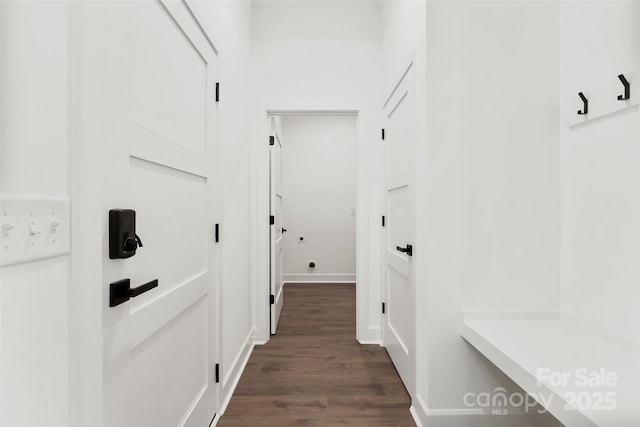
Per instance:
x=417, y=415
x=425, y=417
x=370, y=336
x=319, y=278
x=230, y=381
x=463, y=417
x=260, y=341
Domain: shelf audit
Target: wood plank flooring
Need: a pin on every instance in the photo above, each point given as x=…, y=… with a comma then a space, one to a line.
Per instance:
x=314, y=372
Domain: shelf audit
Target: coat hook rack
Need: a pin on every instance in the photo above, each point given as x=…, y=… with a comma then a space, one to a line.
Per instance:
x=627, y=88
x=585, y=109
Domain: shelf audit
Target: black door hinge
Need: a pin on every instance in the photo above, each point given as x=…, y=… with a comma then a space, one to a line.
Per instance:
x=217, y=233
x=383, y=220
x=383, y=134
x=218, y=92
x=272, y=219
x=217, y=372
x=272, y=299
x=383, y=308
x=272, y=140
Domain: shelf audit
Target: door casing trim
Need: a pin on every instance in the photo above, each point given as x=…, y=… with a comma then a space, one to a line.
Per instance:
x=367, y=159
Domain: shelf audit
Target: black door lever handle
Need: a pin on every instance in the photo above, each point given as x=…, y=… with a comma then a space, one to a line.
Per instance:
x=408, y=250
x=284, y=230
x=121, y=291
x=134, y=292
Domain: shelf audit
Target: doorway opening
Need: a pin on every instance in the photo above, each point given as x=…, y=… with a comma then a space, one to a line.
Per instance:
x=296, y=268
x=312, y=203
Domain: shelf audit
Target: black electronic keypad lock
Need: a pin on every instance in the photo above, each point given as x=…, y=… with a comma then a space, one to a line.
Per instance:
x=123, y=240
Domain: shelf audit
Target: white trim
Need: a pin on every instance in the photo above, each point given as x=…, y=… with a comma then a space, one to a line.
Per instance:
x=419, y=411
x=260, y=193
x=424, y=417
x=86, y=382
x=235, y=372
x=259, y=342
x=319, y=278
x=246, y=345
x=371, y=335
x=1, y=145
x=415, y=416
x=466, y=417
x=321, y=282
x=364, y=342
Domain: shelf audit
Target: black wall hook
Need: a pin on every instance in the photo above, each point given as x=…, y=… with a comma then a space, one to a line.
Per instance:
x=585, y=109
x=627, y=88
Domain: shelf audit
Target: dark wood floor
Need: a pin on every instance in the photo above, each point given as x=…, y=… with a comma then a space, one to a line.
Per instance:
x=314, y=372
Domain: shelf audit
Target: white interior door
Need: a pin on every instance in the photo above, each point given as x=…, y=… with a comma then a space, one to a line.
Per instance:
x=148, y=97
x=277, y=231
x=399, y=175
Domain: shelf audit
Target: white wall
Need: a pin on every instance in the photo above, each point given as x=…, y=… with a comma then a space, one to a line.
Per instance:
x=315, y=51
x=491, y=192
x=600, y=170
x=328, y=53
x=228, y=23
x=319, y=188
x=34, y=384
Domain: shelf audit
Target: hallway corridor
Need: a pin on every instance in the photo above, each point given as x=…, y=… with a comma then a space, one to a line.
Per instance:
x=314, y=372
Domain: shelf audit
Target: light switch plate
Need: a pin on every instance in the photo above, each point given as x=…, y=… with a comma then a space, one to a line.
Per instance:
x=34, y=228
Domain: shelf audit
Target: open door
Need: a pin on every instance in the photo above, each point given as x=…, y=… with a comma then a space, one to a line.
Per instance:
x=277, y=230
x=147, y=82
x=399, y=232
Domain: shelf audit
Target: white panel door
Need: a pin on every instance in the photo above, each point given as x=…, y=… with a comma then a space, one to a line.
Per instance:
x=148, y=98
x=277, y=232
x=399, y=175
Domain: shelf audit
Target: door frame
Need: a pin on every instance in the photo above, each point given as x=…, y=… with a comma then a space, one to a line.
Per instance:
x=86, y=291
x=367, y=206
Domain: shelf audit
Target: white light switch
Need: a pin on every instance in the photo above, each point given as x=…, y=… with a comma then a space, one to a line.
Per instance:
x=34, y=228
x=54, y=226
x=6, y=229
